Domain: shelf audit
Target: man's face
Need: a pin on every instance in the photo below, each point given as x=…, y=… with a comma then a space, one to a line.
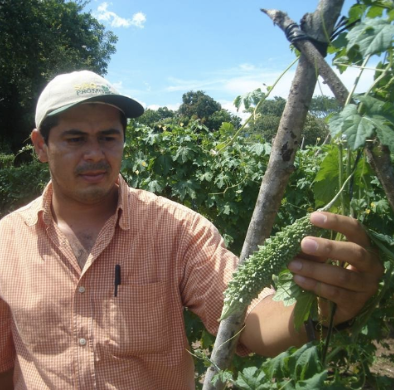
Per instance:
x=84, y=153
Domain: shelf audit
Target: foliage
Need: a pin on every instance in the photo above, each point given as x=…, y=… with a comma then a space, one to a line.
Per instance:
x=180, y=160
x=266, y=118
x=20, y=185
x=39, y=39
x=180, y=163
x=198, y=105
x=156, y=118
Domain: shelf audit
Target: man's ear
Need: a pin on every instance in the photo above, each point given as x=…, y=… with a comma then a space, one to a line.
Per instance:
x=40, y=146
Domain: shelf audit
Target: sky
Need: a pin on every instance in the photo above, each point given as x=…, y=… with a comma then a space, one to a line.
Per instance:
x=225, y=48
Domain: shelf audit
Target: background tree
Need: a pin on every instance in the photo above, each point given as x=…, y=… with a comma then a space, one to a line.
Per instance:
x=41, y=38
x=198, y=105
x=154, y=118
x=268, y=116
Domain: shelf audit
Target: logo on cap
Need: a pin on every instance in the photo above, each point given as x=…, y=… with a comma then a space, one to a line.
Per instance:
x=92, y=88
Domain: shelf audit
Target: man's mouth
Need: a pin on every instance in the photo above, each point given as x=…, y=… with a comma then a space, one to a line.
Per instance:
x=93, y=176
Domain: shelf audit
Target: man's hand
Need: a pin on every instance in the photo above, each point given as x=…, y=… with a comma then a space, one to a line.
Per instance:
x=349, y=288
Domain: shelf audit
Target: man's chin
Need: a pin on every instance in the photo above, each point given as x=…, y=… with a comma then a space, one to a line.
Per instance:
x=93, y=195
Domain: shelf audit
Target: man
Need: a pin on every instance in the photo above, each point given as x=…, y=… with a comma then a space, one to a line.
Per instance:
x=95, y=275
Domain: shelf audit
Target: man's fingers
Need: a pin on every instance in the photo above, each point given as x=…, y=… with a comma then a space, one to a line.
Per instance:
x=349, y=227
x=346, y=252
x=328, y=281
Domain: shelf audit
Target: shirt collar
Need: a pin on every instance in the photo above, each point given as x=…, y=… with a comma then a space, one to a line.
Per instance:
x=42, y=206
x=123, y=208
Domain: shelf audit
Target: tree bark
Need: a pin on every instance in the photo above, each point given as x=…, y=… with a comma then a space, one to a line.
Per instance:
x=276, y=177
x=379, y=159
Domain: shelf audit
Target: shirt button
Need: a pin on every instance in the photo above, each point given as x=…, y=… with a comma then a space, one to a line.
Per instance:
x=82, y=341
x=81, y=289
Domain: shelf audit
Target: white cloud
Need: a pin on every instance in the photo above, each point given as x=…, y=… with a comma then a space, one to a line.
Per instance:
x=103, y=14
x=138, y=20
x=229, y=106
x=172, y=107
x=230, y=83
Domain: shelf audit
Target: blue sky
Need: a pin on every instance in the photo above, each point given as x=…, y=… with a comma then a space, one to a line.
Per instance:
x=224, y=48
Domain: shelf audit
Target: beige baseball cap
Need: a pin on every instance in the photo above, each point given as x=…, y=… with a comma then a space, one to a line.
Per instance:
x=70, y=89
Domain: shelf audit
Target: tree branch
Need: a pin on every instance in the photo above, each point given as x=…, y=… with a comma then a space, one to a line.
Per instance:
x=378, y=157
x=276, y=177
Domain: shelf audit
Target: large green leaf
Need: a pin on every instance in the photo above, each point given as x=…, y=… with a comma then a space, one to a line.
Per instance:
x=384, y=132
x=372, y=36
x=375, y=106
x=308, y=364
x=251, y=379
x=336, y=121
x=351, y=124
x=325, y=184
x=315, y=382
x=163, y=164
x=357, y=130
x=381, y=115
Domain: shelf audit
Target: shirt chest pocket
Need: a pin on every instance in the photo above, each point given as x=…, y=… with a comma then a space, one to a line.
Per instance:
x=137, y=319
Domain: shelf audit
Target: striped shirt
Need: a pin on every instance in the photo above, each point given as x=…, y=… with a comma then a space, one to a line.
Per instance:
x=63, y=328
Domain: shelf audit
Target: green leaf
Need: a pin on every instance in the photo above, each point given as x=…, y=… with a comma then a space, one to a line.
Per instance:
x=325, y=185
x=355, y=127
x=226, y=128
x=260, y=149
x=315, y=382
x=183, y=154
x=372, y=36
x=357, y=130
x=153, y=186
x=385, y=134
x=286, y=290
x=278, y=367
x=289, y=293
x=237, y=102
x=335, y=124
x=248, y=380
x=221, y=180
x=303, y=308
x=383, y=242
x=164, y=164
x=308, y=364
x=223, y=376
x=208, y=176
x=378, y=107
x=207, y=339
x=185, y=188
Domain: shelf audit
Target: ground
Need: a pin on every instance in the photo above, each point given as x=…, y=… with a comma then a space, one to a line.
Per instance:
x=383, y=366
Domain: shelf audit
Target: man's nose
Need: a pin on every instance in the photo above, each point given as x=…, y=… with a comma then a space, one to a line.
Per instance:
x=94, y=151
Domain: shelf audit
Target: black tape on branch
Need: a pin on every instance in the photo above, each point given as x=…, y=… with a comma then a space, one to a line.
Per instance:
x=294, y=33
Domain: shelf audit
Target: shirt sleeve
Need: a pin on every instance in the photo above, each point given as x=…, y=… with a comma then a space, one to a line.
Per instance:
x=208, y=267
x=7, y=349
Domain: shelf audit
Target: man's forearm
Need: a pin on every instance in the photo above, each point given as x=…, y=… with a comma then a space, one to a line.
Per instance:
x=269, y=329
x=6, y=380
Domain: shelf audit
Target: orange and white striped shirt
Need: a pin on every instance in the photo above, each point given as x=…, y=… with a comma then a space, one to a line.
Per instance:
x=63, y=328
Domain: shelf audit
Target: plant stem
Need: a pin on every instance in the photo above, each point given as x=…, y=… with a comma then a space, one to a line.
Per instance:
x=340, y=174
x=349, y=98
x=256, y=108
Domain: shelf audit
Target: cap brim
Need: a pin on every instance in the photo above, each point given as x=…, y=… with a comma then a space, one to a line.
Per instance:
x=131, y=108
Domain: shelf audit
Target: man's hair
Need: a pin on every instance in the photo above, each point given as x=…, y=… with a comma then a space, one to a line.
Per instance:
x=52, y=121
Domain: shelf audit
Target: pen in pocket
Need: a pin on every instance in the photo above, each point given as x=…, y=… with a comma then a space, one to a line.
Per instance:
x=117, y=279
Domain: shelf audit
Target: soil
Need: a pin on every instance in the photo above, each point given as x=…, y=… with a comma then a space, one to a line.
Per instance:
x=384, y=364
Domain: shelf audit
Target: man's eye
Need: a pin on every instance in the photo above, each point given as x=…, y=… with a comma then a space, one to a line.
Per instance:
x=108, y=138
x=75, y=140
